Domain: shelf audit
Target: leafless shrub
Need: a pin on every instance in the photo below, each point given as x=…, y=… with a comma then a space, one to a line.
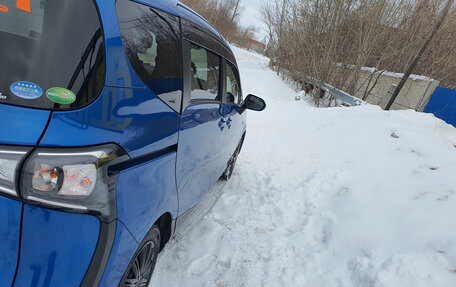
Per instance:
x=330, y=40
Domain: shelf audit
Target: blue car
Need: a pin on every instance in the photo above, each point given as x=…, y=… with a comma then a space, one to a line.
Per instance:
x=117, y=117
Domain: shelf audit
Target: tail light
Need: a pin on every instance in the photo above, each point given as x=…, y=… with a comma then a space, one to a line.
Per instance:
x=10, y=160
x=76, y=180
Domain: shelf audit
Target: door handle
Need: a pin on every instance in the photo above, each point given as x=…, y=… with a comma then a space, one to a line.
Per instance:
x=228, y=123
x=221, y=124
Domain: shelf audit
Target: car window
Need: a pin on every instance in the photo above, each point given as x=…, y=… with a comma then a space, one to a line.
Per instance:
x=152, y=42
x=52, y=54
x=205, y=68
x=233, y=90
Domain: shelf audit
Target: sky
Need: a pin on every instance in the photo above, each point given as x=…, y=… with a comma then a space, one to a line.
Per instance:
x=251, y=16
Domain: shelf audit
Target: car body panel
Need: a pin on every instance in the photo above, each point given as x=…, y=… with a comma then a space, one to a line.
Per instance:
x=135, y=119
x=199, y=160
x=122, y=251
x=10, y=229
x=235, y=128
x=119, y=72
x=145, y=192
x=21, y=126
x=56, y=247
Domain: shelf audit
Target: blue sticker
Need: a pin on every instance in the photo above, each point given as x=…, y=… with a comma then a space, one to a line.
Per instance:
x=26, y=90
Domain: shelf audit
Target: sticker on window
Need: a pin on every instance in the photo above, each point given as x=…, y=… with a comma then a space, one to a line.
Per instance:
x=61, y=96
x=4, y=9
x=26, y=90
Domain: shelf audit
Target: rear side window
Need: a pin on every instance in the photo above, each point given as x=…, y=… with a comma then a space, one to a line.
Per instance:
x=233, y=89
x=152, y=42
x=52, y=53
x=205, y=74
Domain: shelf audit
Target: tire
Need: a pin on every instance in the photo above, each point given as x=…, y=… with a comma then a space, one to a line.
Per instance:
x=231, y=164
x=139, y=271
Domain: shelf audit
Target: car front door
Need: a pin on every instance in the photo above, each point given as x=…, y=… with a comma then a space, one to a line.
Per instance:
x=202, y=130
x=234, y=119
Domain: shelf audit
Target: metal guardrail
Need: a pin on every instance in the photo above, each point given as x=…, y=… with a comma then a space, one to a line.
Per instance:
x=346, y=98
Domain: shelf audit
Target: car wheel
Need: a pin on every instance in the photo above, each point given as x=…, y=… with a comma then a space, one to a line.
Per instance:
x=139, y=271
x=230, y=167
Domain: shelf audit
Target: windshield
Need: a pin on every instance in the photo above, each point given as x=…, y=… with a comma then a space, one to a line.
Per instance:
x=51, y=53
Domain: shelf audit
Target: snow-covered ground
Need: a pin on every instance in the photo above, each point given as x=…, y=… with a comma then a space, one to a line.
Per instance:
x=324, y=197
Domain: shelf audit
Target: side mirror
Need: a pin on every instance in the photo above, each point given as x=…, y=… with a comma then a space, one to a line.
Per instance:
x=254, y=103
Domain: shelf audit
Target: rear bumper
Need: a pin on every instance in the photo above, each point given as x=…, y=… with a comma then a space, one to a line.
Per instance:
x=56, y=248
x=10, y=229
x=66, y=249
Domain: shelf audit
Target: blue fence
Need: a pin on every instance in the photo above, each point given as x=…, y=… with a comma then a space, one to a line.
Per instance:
x=443, y=105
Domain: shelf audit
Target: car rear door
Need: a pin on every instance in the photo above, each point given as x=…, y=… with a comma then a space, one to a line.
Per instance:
x=45, y=47
x=20, y=127
x=202, y=130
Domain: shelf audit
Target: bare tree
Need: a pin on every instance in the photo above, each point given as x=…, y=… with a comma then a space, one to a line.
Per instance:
x=419, y=54
x=235, y=11
x=332, y=40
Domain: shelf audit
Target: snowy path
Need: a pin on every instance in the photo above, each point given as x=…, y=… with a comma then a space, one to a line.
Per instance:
x=324, y=197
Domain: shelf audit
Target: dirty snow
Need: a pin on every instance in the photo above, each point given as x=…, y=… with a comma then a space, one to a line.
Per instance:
x=324, y=197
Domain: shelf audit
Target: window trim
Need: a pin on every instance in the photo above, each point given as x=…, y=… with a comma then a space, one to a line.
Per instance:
x=187, y=73
x=197, y=101
x=186, y=62
x=226, y=64
x=211, y=39
x=179, y=109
